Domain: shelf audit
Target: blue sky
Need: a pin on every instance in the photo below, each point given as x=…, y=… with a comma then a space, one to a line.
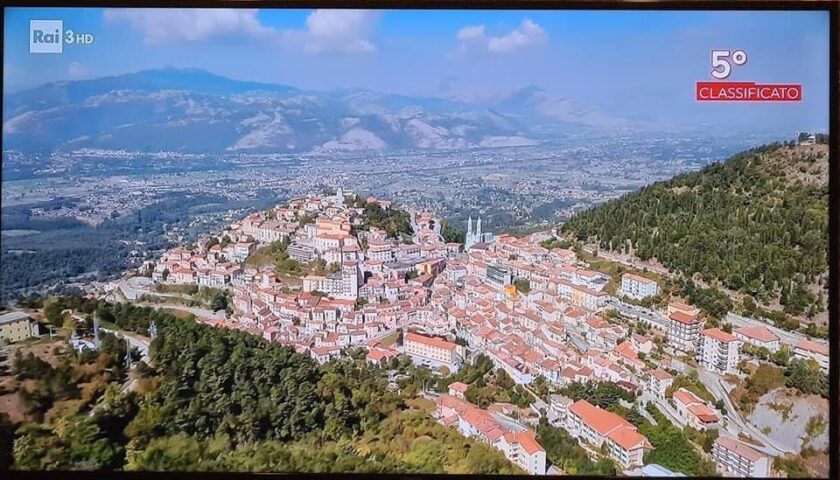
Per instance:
x=630, y=64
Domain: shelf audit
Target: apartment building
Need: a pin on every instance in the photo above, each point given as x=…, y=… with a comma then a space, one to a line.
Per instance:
x=638, y=287
x=659, y=382
x=599, y=427
x=806, y=349
x=719, y=351
x=523, y=449
x=684, y=331
x=432, y=351
x=737, y=458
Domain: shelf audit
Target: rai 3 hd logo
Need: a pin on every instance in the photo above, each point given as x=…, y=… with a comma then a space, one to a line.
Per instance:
x=49, y=36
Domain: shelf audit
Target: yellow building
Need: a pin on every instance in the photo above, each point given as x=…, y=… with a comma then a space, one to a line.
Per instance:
x=17, y=326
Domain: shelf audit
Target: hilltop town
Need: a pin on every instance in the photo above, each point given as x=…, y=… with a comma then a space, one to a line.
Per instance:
x=331, y=274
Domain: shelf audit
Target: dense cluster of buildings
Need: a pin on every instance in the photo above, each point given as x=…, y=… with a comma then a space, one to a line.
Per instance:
x=533, y=311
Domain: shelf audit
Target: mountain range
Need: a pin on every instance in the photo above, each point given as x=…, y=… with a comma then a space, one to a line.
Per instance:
x=192, y=110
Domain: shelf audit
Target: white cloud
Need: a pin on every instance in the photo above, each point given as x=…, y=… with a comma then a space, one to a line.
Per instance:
x=171, y=25
x=471, y=33
x=528, y=34
x=76, y=71
x=330, y=30
x=325, y=30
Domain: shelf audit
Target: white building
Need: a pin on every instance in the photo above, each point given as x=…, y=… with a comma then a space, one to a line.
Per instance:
x=694, y=411
x=759, y=337
x=659, y=382
x=684, y=331
x=635, y=286
x=17, y=326
x=735, y=457
x=434, y=352
x=523, y=449
x=597, y=427
x=805, y=349
x=719, y=351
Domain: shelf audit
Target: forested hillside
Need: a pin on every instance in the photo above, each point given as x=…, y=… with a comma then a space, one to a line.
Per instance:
x=222, y=400
x=756, y=223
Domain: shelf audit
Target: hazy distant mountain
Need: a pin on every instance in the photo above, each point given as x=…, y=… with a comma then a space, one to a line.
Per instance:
x=193, y=110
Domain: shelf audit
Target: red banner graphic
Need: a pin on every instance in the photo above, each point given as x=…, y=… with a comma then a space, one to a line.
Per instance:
x=747, y=92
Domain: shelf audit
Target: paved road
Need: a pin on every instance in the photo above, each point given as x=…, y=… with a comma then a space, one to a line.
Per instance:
x=136, y=341
x=635, y=263
x=714, y=383
x=651, y=316
x=198, y=312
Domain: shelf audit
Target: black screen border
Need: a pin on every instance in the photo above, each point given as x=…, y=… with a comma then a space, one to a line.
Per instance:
x=830, y=6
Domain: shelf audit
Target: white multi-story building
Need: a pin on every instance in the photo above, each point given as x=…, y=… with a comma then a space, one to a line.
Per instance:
x=523, y=449
x=598, y=427
x=635, y=286
x=719, y=351
x=659, y=382
x=818, y=352
x=433, y=351
x=343, y=284
x=735, y=457
x=684, y=331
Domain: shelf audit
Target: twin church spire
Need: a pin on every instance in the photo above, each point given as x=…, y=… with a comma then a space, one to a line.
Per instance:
x=473, y=237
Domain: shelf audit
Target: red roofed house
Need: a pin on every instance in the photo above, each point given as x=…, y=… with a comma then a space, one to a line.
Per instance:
x=719, y=351
x=597, y=426
x=758, y=336
x=458, y=389
x=379, y=356
x=520, y=447
x=694, y=411
x=635, y=286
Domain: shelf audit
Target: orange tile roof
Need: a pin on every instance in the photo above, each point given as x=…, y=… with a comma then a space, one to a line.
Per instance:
x=683, y=318
x=629, y=439
x=740, y=448
x=762, y=334
x=526, y=439
x=685, y=397
x=455, y=403
x=602, y=421
x=704, y=413
x=661, y=374
x=814, y=347
x=458, y=386
x=720, y=335
x=431, y=341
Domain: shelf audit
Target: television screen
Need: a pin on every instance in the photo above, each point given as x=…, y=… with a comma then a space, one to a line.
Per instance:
x=429, y=241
